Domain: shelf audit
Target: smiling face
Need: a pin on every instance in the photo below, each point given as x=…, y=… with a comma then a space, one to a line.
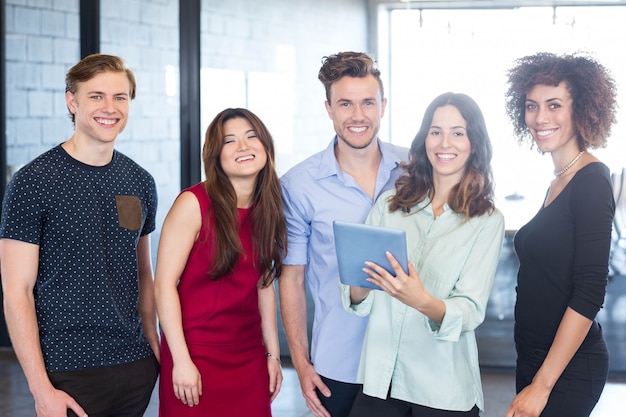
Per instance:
x=100, y=106
x=356, y=107
x=548, y=116
x=447, y=146
x=243, y=155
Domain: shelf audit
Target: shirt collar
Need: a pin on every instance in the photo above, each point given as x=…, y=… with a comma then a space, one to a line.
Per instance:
x=329, y=165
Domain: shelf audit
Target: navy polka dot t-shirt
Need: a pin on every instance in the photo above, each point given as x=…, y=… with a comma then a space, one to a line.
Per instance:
x=87, y=222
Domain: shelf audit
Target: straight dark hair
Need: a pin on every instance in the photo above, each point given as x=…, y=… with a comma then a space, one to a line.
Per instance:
x=269, y=231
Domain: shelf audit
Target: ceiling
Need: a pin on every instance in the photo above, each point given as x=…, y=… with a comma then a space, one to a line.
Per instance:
x=491, y=4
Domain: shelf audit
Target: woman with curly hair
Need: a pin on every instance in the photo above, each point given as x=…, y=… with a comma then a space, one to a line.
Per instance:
x=566, y=105
x=222, y=244
x=420, y=356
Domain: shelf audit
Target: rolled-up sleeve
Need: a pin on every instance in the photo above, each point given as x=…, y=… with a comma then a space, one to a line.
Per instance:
x=362, y=309
x=467, y=303
x=299, y=229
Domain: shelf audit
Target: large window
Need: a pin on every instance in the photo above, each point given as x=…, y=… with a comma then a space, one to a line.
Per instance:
x=265, y=56
x=469, y=51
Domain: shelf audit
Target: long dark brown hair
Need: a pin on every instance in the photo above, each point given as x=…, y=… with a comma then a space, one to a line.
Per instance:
x=474, y=195
x=269, y=232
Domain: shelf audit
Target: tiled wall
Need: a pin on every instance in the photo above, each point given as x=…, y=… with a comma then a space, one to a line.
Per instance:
x=42, y=42
x=145, y=34
x=283, y=41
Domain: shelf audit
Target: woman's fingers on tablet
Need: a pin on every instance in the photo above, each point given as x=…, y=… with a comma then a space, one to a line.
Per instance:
x=375, y=268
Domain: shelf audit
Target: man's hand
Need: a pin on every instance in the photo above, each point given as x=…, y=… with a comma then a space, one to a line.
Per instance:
x=54, y=403
x=309, y=381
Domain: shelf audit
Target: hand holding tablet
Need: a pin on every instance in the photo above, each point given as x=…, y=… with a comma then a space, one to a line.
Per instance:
x=356, y=243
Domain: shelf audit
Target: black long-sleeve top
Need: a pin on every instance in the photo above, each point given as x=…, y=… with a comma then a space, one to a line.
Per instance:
x=564, y=253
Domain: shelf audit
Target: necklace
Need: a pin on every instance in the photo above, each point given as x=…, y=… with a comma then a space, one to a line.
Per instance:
x=571, y=164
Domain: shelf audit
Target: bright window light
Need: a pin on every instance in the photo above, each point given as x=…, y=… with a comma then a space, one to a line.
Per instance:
x=469, y=51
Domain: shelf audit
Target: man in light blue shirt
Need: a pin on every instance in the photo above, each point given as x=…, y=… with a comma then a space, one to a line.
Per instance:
x=339, y=183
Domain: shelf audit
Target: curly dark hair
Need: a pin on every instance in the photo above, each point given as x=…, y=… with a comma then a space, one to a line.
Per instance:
x=590, y=85
x=474, y=195
x=348, y=64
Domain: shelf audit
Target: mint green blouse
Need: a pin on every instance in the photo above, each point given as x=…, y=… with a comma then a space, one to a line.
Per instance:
x=405, y=353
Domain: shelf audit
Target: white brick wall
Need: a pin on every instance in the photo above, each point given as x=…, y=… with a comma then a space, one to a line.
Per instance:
x=145, y=34
x=41, y=44
x=249, y=36
x=246, y=35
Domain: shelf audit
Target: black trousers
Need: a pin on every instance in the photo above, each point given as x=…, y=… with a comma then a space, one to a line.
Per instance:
x=366, y=406
x=578, y=390
x=341, y=399
x=112, y=391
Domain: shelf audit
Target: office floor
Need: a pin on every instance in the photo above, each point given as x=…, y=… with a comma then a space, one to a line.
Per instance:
x=498, y=385
x=496, y=354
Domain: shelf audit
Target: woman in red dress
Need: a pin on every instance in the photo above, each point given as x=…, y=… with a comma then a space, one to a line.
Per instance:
x=221, y=246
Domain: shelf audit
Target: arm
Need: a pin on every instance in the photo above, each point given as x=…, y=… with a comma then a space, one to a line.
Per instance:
x=19, y=267
x=267, y=308
x=178, y=234
x=571, y=332
x=356, y=300
x=291, y=285
x=147, y=302
x=358, y=294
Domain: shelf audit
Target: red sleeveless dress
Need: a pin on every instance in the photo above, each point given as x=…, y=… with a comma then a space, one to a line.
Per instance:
x=222, y=327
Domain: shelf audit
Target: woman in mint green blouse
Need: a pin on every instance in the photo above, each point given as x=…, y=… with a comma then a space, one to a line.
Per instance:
x=420, y=356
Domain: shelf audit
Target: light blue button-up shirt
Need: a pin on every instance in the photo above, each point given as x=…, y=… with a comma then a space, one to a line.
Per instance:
x=424, y=362
x=316, y=192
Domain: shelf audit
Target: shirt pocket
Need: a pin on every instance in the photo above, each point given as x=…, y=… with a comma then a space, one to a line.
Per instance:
x=441, y=267
x=129, y=213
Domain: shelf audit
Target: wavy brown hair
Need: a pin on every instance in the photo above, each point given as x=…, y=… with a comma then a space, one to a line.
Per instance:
x=269, y=231
x=590, y=85
x=474, y=195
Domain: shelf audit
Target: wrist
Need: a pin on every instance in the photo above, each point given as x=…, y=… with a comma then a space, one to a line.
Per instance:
x=358, y=295
x=300, y=363
x=273, y=357
x=542, y=382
